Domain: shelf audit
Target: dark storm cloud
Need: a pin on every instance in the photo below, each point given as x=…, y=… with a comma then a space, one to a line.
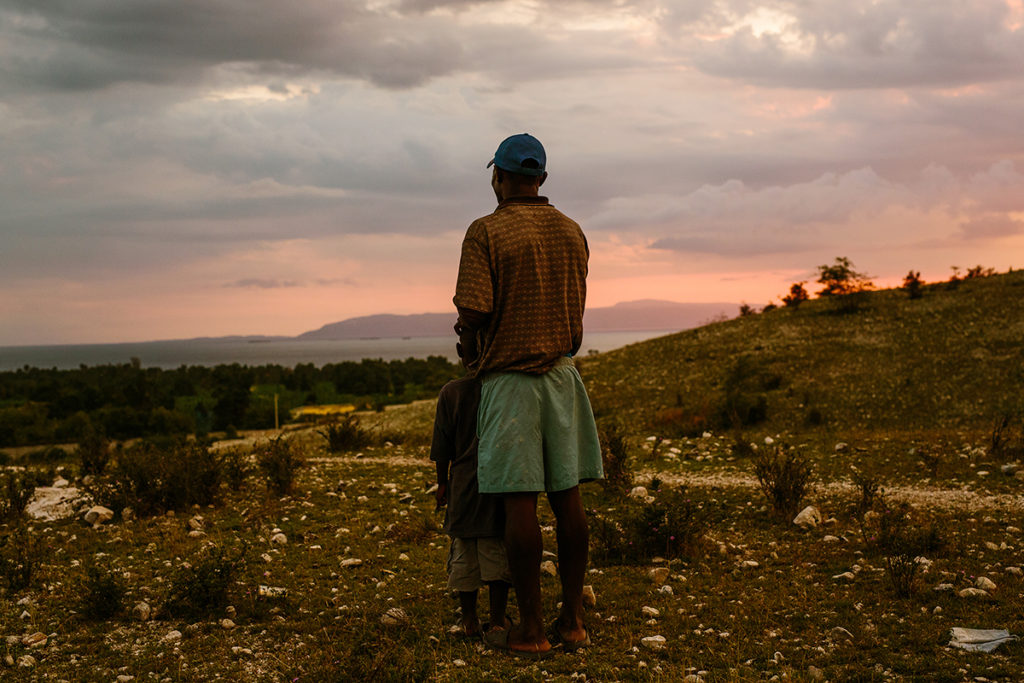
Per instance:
x=90, y=44
x=837, y=44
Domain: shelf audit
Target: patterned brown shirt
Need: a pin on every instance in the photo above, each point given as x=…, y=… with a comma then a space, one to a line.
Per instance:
x=526, y=266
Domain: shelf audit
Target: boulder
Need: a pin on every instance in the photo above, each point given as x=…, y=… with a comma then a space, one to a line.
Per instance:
x=808, y=518
x=98, y=514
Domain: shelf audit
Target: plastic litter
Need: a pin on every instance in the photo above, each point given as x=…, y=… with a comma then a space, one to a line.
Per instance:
x=979, y=639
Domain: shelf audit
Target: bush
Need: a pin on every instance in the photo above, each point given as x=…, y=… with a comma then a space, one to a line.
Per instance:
x=152, y=478
x=103, y=592
x=16, y=490
x=412, y=529
x=21, y=555
x=869, y=490
x=618, y=475
x=93, y=452
x=236, y=468
x=785, y=477
x=797, y=295
x=345, y=435
x=913, y=285
x=279, y=461
x=674, y=526
x=902, y=544
x=198, y=587
x=1006, y=441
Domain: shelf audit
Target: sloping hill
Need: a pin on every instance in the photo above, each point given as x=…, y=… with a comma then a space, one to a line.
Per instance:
x=953, y=359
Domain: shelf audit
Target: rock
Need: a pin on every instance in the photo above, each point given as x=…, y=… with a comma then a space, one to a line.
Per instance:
x=768, y=441
x=459, y=662
x=50, y=503
x=841, y=446
x=808, y=518
x=395, y=616
x=1008, y=469
x=659, y=575
x=985, y=584
x=8, y=660
x=127, y=514
x=1015, y=571
x=37, y=639
x=25, y=602
x=406, y=498
x=650, y=611
x=653, y=642
x=279, y=539
x=271, y=591
x=172, y=636
x=830, y=539
x=548, y=567
x=142, y=611
x=695, y=678
x=749, y=564
x=432, y=489
x=837, y=632
x=403, y=557
x=196, y=533
x=98, y=515
x=230, y=611
x=845, y=576
x=973, y=593
x=589, y=597
x=26, y=662
x=227, y=624
x=815, y=674
x=61, y=483
x=942, y=587
x=195, y=523
x=25, y=615
x=638, y=492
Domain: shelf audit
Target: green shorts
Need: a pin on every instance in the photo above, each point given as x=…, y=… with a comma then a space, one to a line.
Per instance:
x=537, y=432
x=472, y=562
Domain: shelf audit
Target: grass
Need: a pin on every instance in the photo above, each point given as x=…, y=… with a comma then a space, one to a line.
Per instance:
x=757, y=586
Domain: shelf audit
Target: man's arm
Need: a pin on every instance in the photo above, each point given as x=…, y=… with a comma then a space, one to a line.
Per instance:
x=470, y=322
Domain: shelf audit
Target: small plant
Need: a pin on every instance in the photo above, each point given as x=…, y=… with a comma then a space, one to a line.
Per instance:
x=746, y=310
x=279, y=460
x=21, y=554
x=1006, y=441
x=902, y=545
x=618, y=474
x=785, y=477
x=673, y=526
x=16, y=490
x=202, y=585
x=797, y=295
x=913, y=285
x=93, y=452
x=345, y=435
x=979, y=272
x=931, y=459
x=103, y=592
x=412, y=529
x=152, y=478
x=869, y=490
x=235, y=464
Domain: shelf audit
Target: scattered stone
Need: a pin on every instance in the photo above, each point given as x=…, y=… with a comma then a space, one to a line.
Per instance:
x=749, y=564
x=653, y=642
x=432, y=489
x=395, y=616
x=944, y=587
x=841, y=446
x=985, y=584
x=406, y=498
x=665, y=590
x=196, y=533
x=271, y=591
x=830, y=539
x=37, y=639
x=25, y=602
x=25, y=616
x=98, y=515
x=548, y=567
x=125, y=678
x=1009, y=469
x=589, y=597
x=279, y=539
x=839, y=632
x=351, y=562
x=8, y=660
x=227, y=624
x=403, y=557
x=230, y=611
x=1015, y=571
x=142, y=611
x=973, y=593
x=172, y=636
x=459, y=662
x=815, y=674
x=694, y=678
x=26, y=662
x=62, y=483
x=808, y=518
x=638, y=492
x=650, y=611
x=659, y=575
x=845, y=576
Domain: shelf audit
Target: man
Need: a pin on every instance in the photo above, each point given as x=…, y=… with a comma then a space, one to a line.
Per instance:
x=520, y=295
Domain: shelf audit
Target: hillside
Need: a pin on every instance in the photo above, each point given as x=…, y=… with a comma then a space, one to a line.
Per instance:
x=953, y=359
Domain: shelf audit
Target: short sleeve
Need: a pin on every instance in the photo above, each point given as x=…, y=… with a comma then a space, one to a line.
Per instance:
x=474, y=288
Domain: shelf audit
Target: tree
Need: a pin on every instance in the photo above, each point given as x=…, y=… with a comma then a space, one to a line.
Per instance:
x=797, y=295
x=840, y=279
x=913, y=284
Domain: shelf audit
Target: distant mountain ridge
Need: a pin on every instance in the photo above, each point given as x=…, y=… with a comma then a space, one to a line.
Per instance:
x=628, y=316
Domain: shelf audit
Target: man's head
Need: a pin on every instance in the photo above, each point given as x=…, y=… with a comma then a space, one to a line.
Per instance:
x=519, y=165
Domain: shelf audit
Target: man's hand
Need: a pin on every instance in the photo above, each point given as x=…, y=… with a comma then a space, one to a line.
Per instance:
x=441, y=496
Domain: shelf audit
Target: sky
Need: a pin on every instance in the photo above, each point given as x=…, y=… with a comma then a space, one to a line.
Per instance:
x=181, y=168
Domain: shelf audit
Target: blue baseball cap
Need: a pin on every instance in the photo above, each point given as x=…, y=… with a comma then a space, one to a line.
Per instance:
x=522, y=154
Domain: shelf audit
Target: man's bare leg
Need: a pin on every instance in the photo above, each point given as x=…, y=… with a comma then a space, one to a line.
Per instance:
x=525, y=546
x=573, y=548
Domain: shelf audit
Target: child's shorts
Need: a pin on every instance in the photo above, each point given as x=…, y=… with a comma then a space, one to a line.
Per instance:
x=472, y=562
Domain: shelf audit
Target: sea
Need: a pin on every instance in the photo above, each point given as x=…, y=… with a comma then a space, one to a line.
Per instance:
x=289, y=353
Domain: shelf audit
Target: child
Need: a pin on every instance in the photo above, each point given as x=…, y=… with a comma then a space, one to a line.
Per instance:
x=475, y=522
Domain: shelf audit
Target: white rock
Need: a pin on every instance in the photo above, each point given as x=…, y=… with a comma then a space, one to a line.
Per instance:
x=142, y=611
x=459, y=662
x=279, y=539
x=98, y=515
x=650, y=611
x=693, y=678
x=985, y=584
x=61, y=483
x=125, y=678
x=548, y=567
x=944, y=587
x=841, y=446
x=1015, y=571
x=227, y=624
x=768, y=441
x=665, y=590
x=37, y=639
x=638, y=492
x=845, y=576
x=26, y=662
x=653, y=642
x=973, y=593
x=830, y=539
x=25, y=616
x=749, y=564
x=172, y=636
x=351, y=562
x=589, y=597
x=808, y=518
x=403, y=557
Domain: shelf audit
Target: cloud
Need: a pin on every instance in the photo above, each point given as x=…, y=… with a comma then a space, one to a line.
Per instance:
x=991, y=226
x=263, y=283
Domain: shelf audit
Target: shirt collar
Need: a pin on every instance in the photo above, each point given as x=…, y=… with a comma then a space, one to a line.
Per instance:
x=534, y=201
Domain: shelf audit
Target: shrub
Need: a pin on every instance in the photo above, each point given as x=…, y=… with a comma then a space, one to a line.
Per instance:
x=671, y=527
x=102, y=592
x=93, y=452
x=797, y=295
x=785, y=477
x=1006, y=440
x=869, y=490
x=618, y=475
x=840, y=278
x=153, y=478
x=345, y=435
x=902, y=544
x=743, y=403
x=21, y=555
x=913, y=285
x=235, y=465
x=279, y=460
x=746, y=310
x=412, y=529
x=16, y=490
x=202, y=585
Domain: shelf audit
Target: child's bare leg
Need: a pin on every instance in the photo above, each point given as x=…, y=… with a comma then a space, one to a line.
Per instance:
x=470, y=622
x=497, y=593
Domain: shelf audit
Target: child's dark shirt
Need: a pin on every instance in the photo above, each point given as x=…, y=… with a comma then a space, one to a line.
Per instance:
x=469, y=513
